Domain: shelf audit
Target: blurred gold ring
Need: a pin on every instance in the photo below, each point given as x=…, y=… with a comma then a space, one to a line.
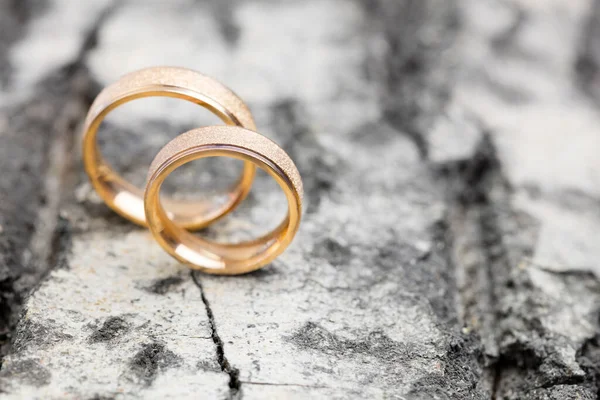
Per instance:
x=201, y=254
x=181, y=83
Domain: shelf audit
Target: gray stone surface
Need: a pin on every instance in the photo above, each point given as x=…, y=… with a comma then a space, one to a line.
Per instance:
x=41, y=102
x=527, y=200
x=449, y=248
x=131, y=326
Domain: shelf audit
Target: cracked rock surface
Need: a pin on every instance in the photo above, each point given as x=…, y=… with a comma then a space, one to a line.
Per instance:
x=450, y=241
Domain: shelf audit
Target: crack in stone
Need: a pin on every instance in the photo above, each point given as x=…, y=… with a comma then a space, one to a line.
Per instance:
x=477, y=187
x=469, y=184
x=287, y=385
x=235, y=385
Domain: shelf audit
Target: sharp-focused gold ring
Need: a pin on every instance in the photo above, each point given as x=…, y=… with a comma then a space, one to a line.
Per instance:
x=240, y=143
x=181, y=83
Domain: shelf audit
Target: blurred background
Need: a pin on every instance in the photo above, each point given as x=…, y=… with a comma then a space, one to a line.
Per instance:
x=451, y=238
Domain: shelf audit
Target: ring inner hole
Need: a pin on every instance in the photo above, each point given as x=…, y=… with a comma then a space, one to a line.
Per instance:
x=260, y=213
x=132, y=134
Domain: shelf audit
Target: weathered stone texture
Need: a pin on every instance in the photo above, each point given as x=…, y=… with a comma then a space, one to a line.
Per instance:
x=449, y=248
x=40, y=104
x=527, y=201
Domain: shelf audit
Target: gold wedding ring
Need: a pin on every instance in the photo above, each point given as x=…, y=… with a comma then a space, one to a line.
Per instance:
x=122, y=196
x=168, y=219
x=228, y=141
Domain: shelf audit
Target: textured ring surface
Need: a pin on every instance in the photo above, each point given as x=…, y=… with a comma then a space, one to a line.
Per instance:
x=236, y=142
x=181, y=83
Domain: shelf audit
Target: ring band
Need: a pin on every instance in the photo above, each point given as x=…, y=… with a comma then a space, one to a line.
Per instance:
x=236, y=142
x=122, y=196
